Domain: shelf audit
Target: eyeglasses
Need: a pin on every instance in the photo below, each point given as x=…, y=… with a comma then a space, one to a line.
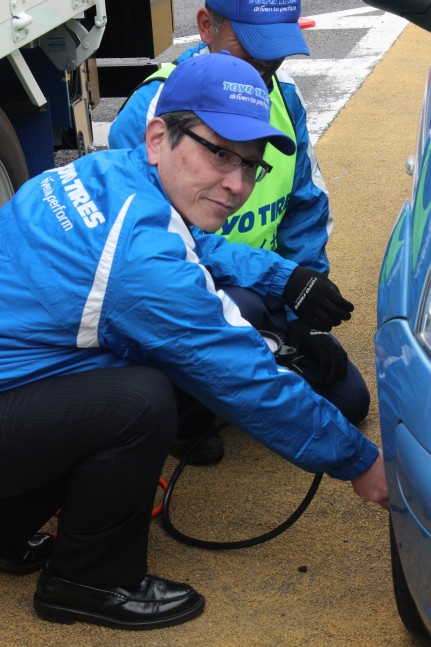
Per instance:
x=224, y=159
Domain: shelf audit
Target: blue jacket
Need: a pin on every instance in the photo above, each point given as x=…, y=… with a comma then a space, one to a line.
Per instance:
x=97, y=269
x=307, y=222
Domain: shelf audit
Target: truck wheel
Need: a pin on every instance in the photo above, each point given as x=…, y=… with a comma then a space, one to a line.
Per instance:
x=13, y=167
x=406, y=606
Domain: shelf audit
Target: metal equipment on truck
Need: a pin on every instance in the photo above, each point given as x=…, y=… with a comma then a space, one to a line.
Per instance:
x=49, y=80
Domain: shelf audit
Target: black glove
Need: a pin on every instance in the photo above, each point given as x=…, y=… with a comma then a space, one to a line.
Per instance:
x=315, y=299
x=327, y=356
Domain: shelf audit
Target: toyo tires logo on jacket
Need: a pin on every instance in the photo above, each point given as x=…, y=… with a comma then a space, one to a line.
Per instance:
x=77, y=194
x=80, y=197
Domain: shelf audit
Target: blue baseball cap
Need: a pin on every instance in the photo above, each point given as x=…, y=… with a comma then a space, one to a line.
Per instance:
x=267, y=29
x=227, y=94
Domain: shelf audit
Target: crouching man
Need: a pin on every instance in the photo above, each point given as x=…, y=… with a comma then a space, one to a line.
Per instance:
x=108, y=307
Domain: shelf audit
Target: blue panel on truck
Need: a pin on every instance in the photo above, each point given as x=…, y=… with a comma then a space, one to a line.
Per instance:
x=34, y=131
x=53, y=84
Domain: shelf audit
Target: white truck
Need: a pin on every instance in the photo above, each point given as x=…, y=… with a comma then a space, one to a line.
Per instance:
x=49, y=80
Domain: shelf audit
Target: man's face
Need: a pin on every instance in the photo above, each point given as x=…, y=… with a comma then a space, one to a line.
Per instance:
x=203, y=194
x=225, y=38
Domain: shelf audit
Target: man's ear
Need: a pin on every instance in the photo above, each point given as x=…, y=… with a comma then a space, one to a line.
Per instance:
x=155, y=136
x=205, y=26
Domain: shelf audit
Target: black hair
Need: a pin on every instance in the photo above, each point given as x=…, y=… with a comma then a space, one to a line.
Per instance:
x=216, y=18
x=177, y=121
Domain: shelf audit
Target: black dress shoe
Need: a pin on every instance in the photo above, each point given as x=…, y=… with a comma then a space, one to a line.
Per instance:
x=206, y=452
x=32, y=558
x=152, y=604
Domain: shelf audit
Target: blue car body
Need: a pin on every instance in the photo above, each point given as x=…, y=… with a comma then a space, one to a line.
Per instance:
x=403, y=366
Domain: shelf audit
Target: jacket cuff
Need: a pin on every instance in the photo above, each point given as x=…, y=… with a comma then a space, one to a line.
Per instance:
x=368, y=454
x=281, y=277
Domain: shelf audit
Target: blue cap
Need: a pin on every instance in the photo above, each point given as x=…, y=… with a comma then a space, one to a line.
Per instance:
x=227, y=94
x=267, y=29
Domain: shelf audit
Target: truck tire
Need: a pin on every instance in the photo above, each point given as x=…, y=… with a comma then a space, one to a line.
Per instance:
x=406, y=606
x=13, y=167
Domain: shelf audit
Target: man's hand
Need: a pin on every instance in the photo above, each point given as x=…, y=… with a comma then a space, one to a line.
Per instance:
x=329, y=357
x=316, y=300
x=371, y=486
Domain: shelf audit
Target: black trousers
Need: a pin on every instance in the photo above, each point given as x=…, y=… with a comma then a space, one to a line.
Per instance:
x=92, y=444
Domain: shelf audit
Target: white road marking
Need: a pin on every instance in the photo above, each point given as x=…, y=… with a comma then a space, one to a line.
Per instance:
x=341, y=77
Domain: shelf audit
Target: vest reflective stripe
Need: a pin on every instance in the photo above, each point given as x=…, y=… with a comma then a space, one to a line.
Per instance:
x=257, y=222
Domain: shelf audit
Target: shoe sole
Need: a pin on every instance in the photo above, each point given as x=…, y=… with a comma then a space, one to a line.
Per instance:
x=5, y=567
x=64, y=615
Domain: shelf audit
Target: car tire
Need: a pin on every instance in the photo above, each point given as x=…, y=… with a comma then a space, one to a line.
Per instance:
x=13, y=167
x=406, y=606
